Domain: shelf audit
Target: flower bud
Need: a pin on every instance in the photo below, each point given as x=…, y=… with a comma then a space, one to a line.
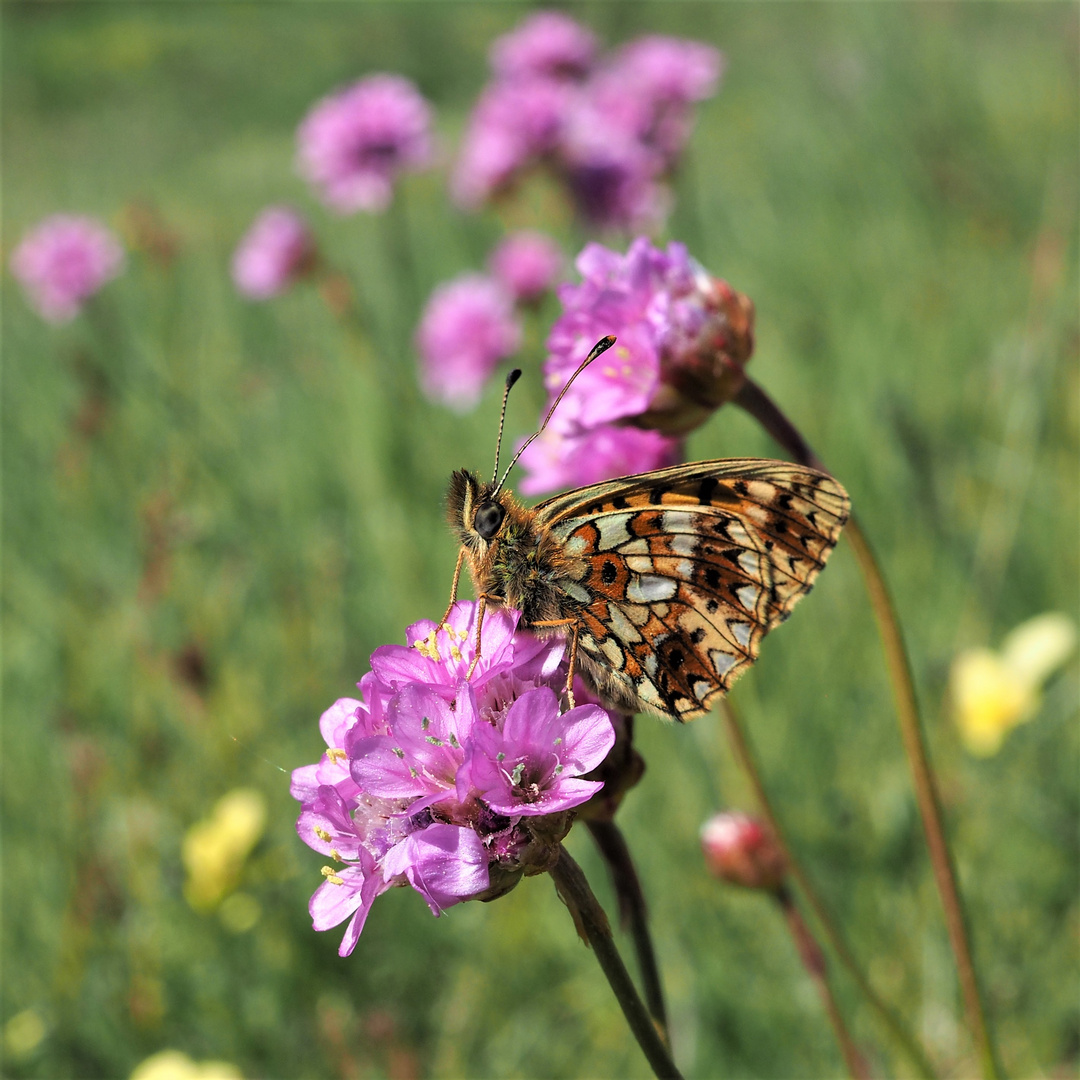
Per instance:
x=703, y=363
x=743, y=851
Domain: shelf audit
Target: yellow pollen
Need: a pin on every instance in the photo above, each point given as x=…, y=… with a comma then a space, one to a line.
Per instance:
x=328, y=873
x=335, y=855
x=336, y=755
x=322, y=834
x=455, y=652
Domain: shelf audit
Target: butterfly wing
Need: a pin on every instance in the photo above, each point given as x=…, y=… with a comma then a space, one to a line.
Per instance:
x=683, y=571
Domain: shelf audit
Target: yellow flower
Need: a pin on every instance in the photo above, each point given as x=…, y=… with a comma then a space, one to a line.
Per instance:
x=174, y=1065
x=215, y=848
x=993, y=692
x=23, y=1033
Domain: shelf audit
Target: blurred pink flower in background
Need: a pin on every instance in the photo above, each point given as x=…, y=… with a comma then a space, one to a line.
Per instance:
x=63, y=261
x=512, y=127
x=611, y=128
x=353, y=144
x=274, y=252
x=528, y=264
x=467, y=327
x=658, y=79
x=549, y=44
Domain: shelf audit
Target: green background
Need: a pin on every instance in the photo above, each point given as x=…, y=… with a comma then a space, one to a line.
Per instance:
x=214, y=511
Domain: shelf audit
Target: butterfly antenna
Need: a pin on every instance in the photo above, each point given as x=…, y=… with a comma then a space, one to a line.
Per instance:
x=510, y=380
x=598, y=349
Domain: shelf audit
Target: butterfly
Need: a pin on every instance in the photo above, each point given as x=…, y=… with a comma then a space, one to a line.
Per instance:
x=664, y=583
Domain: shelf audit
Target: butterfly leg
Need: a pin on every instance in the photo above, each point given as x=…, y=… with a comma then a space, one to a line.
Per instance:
x=573, y=650
x=573, y=665
x=453, y=589
x=481, y=607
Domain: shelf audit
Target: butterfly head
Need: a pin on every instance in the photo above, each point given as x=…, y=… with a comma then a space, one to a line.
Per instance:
x=476, y=511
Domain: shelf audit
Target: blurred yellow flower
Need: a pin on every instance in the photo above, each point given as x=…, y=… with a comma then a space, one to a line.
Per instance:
x=215, y=848
x=992, y=691
x=174, y=1065
x=23, y=1033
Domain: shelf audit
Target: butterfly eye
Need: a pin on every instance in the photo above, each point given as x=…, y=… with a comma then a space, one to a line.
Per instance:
x=489, y=516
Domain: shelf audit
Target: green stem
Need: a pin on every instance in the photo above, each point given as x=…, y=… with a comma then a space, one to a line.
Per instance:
x=633, y=914
x=813, y=960
x=593, y=925
x=748, y=762
x=929, y=800
x=756, y=402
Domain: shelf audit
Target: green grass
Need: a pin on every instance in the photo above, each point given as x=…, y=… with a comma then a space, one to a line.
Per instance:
x=894, y=185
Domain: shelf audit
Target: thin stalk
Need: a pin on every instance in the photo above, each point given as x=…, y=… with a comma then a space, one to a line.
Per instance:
x=633, y=914
x=756, y=402
x=929, y=800
x=748, y=762
x=813, y=960
x=593, y=925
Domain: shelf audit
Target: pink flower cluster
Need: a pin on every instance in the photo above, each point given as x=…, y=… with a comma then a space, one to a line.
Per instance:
x=454, y=786
x=63, y=261
x=274, y=252
x=470, y=323
x=611, y=127
x=353, y=145
x=651, y=300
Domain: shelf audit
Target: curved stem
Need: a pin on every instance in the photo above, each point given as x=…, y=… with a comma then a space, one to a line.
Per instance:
x=814, y=961
x=633, y=914
x=755, y=401
x=929, y=800
x=593, y=926
x=745, y=755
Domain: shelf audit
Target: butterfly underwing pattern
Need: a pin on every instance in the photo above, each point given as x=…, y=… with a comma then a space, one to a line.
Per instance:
x=663, y=583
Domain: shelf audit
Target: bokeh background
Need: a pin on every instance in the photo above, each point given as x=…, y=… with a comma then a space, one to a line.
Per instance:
x=214, y=510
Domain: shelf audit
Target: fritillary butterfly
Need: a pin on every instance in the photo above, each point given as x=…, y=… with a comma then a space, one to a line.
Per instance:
x=665, y=582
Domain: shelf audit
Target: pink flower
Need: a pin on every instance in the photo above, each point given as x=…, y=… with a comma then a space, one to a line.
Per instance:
x=532, y=764
x=651, y=84
x=274, y=252
x=557, y=460
x=467, y=327
x=683, y=339
x=610, y=130
x=63, y=261
x=670, y=70
x=455, y=787
x=742, y=850
x=633, y=296
x=528, y=264
x=548, y=44
x=354, y=144
x=612, y=175
x=513, y=125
